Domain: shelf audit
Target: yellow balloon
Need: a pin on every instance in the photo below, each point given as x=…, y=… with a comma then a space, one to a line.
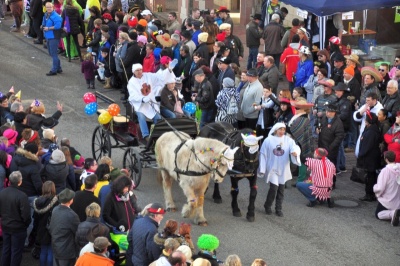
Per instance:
x=104, y=118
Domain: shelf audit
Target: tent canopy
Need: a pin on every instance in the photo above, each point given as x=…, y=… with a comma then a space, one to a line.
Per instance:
x=329, y=7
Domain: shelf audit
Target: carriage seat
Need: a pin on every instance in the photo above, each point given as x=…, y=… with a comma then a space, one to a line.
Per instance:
x=119, y=120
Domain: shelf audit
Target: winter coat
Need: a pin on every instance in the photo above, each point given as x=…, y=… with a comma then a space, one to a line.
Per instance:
x=168, y=99
x=145, y=250
x=15, y=210
x=75, y=20
x=88, y=68
x=205, y=96
x=132, y=57
x=35, y=120
x=368, y=89
x=43, y=208
x=304, y=71
x=202, y=49
x=235, y=46
x=393, y=145
x=85, y=227
x=160, y=238
x=96, y=39
x=148, y=63
x=331, y=136
x=83, y=199
x=273, y=34
x=54, y=20
x=92, y=259
x=56, y=172
x=355, y=89
x=271, y=77
x=63, y=225
x=345, y=113
x=117, y=212
x=392, y=104
x=369, y=155
x=290, y=58
x=36, y=10
x=29, y=166
x=253, y=35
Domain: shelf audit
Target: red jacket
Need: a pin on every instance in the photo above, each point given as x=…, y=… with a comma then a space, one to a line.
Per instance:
x=148, y=64
x=290, y=58
x=393, y=145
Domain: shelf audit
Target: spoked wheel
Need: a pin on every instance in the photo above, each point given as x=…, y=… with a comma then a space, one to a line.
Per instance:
x=133, y=163
x=101, y=143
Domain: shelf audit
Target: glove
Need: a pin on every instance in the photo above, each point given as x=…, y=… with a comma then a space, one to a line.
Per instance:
x=260, y=175
x=146, y=99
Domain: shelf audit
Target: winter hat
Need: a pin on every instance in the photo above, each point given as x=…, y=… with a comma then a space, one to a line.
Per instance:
x=132, y=22
x=142, y=39
x=31, y=147
x=208, y=242
x=228, y=83
x=136, y=67
x=202, y=37
x=57, y=156
x=79, y=161
x=11, y=135
x=142, y=22
x=53, y=147
x=349, y=70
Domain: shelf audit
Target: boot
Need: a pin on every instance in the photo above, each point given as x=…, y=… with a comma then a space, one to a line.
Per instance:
x=107, y=85
x=279, y=200
x=270, y=198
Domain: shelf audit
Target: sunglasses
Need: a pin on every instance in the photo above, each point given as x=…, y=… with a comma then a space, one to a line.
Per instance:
x=381, y=70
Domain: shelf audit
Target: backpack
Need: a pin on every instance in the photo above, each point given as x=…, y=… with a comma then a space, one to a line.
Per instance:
x=232, y=108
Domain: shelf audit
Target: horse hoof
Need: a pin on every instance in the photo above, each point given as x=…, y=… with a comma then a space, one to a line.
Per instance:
x=250, y=218
x=237, y=214
x=203, y=223
x=218, y=201
x=171, y=209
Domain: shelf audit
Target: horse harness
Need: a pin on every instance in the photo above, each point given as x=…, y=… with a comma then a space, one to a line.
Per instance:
x=190, y=172
x=247, y=161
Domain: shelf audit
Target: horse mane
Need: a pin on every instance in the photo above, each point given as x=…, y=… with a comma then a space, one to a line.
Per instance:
x=201, y=144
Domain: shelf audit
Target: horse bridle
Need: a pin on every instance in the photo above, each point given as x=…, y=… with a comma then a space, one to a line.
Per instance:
x=244, y=155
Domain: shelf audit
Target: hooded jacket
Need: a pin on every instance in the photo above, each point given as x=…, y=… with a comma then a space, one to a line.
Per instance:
x=29, y=166
x=43, y=208
x=387, y=189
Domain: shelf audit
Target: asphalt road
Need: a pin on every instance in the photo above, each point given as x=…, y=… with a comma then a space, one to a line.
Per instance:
x=304, y=236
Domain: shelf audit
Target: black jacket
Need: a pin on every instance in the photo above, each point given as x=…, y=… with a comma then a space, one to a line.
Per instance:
x=29, y=166
x=202, y=49
x=331, y=136
x=43, y=211
x=205, y=255
x=15, y=211
x=95, y=43
x=85, y=227
x=63, y=225
x=36, y=9
x=35, y=120
x=132, y=57
x=253, y=35
x=369, y=153
x=345, y=113
x=355, y=90
x=392, y=104
x=83, y=199
x=75, y=20
x=205, y=96
x=236, y=48
x=56, y=172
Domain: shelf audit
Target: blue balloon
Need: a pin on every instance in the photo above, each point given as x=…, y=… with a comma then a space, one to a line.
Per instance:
x=91, y=108
x=190, y=108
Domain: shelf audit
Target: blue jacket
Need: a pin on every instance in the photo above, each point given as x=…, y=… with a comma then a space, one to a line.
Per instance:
x=54, y=20
x=145, y=250
x=304, y=71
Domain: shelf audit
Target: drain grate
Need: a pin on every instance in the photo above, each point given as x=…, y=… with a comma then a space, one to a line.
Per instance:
x=346, y=203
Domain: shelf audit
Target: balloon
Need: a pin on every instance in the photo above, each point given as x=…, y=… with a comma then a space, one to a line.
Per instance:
x=105, y=118
x=91, y=108
x=190, y=108
x=89, y=97
x=113, y=109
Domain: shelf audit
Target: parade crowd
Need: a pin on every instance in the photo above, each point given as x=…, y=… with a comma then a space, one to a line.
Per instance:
x=77, y=211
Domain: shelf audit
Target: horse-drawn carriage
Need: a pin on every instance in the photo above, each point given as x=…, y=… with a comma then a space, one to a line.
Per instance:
x=123, y=132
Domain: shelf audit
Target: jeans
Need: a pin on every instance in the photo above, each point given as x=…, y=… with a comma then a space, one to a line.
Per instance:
x=165, y=112
x=13, y=247
x=52, y=46
x=252, y=60
x=341, y=159
x=206, y=117
x=46, y=255
x=304, y=188
x=30, y=227
x=143, y=124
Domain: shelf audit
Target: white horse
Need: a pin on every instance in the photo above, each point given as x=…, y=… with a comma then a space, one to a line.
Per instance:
x=191, y=163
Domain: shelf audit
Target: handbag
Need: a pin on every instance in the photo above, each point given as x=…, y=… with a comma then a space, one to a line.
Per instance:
x=67, y=25
x=358, y=175
x=59, y=34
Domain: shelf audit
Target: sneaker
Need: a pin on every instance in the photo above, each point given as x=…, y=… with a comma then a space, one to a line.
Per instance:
x=343, y=170
x=15, y=30
x=13, y=26
x=28, y=36
x=395, y=218
x=279, y=213
x=38, y=42
x=51, y=73
x=23, y=24
x=338, y=172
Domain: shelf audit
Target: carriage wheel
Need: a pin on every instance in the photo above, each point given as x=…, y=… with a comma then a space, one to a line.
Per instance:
x=133, y=163
x=101, y=143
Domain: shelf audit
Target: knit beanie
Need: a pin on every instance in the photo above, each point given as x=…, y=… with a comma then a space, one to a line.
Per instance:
x=349, y=70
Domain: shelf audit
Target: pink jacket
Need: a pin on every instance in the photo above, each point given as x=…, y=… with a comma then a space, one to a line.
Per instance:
x=387, y=189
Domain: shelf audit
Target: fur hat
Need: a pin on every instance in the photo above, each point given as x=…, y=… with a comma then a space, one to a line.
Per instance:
x=203, y=37
x=66, y=195
x=207, y=242
x=48, y=133
x=57, y=156
x=11, y=135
